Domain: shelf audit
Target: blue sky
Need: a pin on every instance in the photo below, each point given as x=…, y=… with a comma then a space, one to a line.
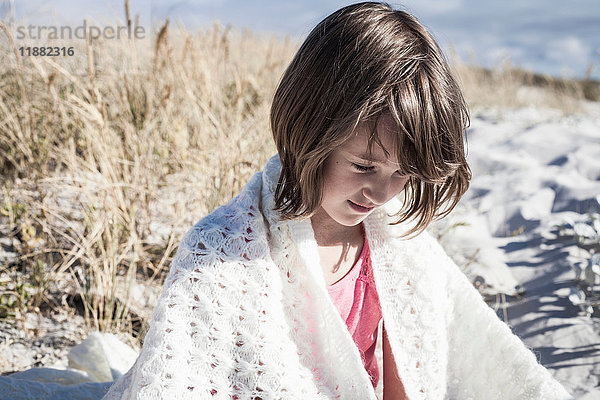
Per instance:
x=557, y=37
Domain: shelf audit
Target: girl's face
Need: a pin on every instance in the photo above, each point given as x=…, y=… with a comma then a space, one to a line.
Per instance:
x=356, y=182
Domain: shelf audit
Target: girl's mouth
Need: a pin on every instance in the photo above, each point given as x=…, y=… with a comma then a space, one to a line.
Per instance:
x=359, y=208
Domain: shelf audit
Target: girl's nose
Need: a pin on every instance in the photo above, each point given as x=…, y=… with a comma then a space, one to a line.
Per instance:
x=377, y=193
x=380, y=191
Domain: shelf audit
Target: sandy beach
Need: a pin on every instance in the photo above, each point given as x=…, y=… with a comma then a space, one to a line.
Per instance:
x=535, y=171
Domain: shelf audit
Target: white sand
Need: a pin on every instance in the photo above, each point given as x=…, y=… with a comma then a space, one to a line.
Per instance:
x=533, y=170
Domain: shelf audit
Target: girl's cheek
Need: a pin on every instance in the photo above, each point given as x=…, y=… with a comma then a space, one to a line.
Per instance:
x=347, y=178
x=356, y=181
x=400, y=185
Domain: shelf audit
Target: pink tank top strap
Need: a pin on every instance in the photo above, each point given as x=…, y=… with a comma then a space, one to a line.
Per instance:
x=357, y=301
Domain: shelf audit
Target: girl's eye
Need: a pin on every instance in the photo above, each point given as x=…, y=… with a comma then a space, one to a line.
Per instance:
x=370, y=168
x=363, y=168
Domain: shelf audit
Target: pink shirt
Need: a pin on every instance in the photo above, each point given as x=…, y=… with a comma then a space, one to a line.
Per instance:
x=357, y=301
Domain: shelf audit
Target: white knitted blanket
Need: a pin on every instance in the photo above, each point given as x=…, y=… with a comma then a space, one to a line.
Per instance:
x=245, y=314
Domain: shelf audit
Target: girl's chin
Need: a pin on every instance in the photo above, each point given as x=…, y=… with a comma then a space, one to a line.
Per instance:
x=348, y=217
x=351, y=221
x=348, y=220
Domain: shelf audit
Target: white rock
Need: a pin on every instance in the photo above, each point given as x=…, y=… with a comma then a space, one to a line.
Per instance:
x=102, y=356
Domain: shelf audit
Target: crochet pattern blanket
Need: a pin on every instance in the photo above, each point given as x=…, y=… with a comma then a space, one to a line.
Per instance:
x=245, y=314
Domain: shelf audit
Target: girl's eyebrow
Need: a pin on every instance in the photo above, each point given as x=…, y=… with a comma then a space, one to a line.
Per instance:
x=365, y=156
x=371, y=158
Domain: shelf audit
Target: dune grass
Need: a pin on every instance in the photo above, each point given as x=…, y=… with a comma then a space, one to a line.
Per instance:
x=107, y=157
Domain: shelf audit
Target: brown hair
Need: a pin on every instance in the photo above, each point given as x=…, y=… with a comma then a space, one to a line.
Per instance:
x=360, y=62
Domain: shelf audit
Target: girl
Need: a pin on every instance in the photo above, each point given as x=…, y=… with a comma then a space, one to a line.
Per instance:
x=286, y=291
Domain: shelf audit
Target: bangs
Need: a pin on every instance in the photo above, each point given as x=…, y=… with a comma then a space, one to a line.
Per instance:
x=431, y=119
x=429, y=131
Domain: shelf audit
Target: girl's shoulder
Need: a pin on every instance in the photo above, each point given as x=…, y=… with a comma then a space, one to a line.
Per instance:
x=232, y=233
x=422, y=253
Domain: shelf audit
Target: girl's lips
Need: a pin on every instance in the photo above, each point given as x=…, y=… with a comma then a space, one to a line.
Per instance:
x=359, y=208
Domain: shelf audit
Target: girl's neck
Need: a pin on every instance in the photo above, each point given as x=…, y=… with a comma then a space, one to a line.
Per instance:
x=328, y=232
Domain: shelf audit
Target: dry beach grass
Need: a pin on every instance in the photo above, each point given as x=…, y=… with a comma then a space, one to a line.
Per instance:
x=109, y=156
